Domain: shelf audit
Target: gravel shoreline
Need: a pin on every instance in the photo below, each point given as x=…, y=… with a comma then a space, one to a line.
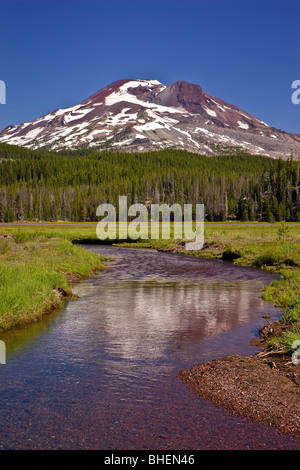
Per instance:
x=261, y=389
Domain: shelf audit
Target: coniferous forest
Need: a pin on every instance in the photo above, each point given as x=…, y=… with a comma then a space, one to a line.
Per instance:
x=48, y=186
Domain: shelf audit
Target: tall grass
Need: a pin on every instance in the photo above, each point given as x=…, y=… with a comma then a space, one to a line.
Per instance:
x=27, y=290
x=35, y=274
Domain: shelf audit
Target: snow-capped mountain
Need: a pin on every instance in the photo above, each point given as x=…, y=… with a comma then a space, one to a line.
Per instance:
x=140, y=115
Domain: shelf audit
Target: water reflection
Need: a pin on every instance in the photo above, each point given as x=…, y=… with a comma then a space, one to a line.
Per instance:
x=140, y=319
x=101, y=373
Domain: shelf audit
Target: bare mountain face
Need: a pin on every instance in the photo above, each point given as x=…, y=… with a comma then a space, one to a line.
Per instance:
x=141, y=115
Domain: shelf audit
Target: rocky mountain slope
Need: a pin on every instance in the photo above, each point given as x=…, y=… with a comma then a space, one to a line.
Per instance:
x=141, y=115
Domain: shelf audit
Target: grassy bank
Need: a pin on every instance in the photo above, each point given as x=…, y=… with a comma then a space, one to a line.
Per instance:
x=36, y=271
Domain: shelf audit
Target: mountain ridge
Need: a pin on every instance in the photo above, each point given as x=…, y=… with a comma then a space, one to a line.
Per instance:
x=140, y=115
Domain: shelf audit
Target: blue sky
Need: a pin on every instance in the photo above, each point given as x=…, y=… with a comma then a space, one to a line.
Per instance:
x=56, y=53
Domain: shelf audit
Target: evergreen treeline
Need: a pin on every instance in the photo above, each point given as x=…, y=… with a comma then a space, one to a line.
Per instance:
x=39, y=185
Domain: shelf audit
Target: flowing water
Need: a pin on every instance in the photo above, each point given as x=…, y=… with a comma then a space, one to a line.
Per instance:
x=102, y=372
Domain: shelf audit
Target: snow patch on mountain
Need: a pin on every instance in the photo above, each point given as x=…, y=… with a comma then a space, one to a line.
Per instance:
x=243, y=125
x=211, y=112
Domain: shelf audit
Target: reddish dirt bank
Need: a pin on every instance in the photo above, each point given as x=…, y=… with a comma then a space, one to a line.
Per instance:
x=261, y=389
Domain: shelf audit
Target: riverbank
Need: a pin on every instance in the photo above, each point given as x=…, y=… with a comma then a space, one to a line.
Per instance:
x=37, y=272
x=253, y=387
x=264, y=387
